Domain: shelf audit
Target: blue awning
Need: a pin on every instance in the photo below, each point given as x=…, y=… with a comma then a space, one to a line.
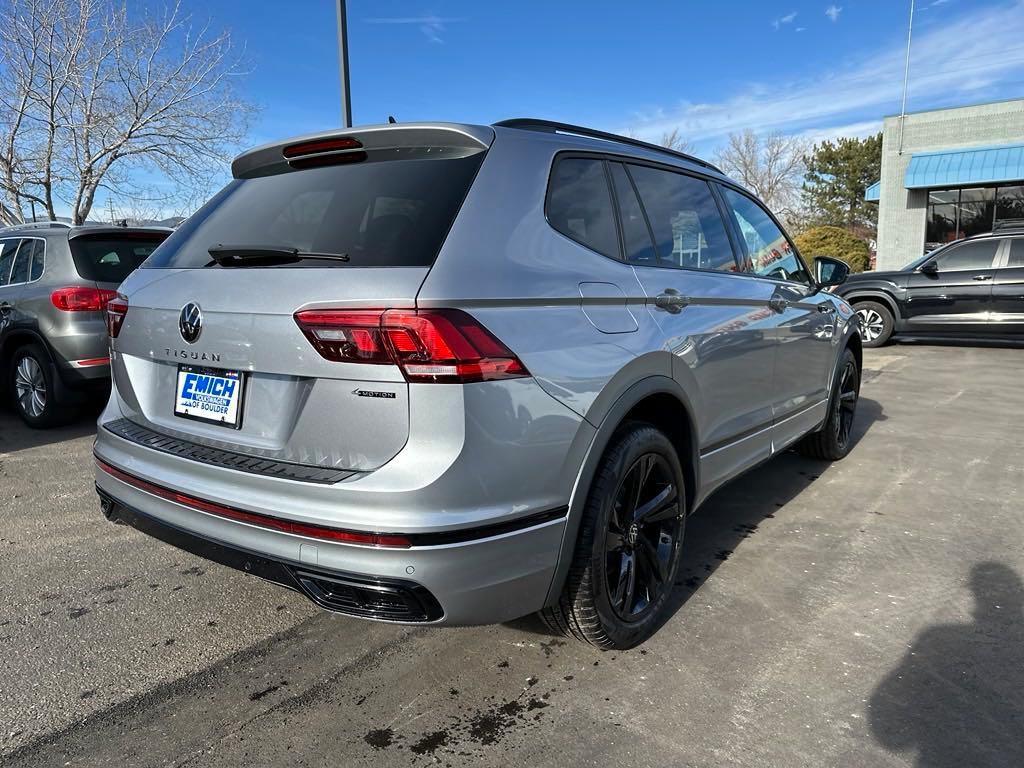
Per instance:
x=966, y=167
x=873, y=193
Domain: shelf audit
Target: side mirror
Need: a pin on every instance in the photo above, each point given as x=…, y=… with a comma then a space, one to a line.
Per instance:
x=929, y=268
x=830, y=272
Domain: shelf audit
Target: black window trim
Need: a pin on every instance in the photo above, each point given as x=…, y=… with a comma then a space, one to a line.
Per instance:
x=743, y=243
x=626, y=160
x=21, y=244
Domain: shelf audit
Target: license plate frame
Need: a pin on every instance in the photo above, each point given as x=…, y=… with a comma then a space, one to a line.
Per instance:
x=193, y=413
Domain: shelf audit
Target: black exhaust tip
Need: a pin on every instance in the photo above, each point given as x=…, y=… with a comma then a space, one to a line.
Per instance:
x=108, y=508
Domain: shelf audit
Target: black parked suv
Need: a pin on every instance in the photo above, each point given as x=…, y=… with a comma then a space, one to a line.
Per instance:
x=968, y=289
x=55, y=283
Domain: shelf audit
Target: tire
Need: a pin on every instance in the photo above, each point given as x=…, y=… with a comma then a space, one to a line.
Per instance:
x=831, y=441
x=32, y=390
x=623, y=570
x=876, y=323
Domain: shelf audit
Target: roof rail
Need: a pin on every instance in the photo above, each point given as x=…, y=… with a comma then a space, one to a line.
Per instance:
x=551, y=126
x=36, y=225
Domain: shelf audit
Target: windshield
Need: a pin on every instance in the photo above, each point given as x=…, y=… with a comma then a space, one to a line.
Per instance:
x=111, y=258
x=387, y=213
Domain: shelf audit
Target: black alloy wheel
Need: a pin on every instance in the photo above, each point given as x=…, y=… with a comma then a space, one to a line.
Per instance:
x=620, y=583
x=642, y=533
x=833, y=440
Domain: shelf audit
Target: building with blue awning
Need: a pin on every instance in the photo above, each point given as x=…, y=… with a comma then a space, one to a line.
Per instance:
x=959, y=172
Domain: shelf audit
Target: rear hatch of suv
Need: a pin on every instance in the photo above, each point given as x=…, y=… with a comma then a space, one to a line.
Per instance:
x=107, y=255
x=215, y=340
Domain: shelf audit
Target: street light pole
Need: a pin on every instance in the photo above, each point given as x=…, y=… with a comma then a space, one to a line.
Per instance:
x=346, y=96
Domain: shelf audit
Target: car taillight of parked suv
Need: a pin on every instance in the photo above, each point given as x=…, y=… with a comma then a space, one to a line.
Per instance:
x=455, y=374
x=55, y=284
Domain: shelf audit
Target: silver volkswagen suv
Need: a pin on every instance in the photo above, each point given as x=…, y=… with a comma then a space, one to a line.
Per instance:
x=456, y=374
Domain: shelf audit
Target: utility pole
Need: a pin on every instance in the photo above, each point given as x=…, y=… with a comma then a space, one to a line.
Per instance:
x=346, y=96
x=906, y=76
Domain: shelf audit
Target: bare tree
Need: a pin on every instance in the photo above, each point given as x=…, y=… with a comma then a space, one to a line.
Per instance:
x=771, y=166
x=669, y=139
x=674, y=140
x=90, y=96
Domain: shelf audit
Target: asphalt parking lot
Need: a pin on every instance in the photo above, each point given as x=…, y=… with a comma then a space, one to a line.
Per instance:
x=867, y=613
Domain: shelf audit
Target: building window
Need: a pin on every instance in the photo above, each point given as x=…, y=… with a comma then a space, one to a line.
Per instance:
x=958, y=213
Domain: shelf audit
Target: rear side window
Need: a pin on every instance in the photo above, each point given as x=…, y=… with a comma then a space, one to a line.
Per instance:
x=386, y=213
x=1016, y=253
x=972, y=255
x=22, y=263
x=769, y=252
x=580, y=206
x=38, y=259
x=8, y=248
x=110, y=259
x=687, y=225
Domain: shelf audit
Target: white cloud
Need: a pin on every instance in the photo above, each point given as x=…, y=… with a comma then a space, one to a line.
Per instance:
x=800, y=29
x=861, y=91
x=787, y=19
x=833, y=12
x=431, y=26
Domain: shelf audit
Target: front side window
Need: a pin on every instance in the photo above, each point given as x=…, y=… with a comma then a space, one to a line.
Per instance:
x=687, y=225
x=580, y=204
x=8, y=248
x=769, y=252
x=975, y=255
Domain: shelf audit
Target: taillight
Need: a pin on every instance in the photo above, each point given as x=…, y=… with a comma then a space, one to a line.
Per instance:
x=430, y=345
x=81, y=298
x=117, y=308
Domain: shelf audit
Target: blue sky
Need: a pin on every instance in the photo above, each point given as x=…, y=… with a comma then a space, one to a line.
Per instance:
x=708, y=66
x=818, y=68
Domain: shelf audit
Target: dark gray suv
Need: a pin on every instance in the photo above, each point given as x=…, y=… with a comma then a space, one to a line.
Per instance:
x=55, y=282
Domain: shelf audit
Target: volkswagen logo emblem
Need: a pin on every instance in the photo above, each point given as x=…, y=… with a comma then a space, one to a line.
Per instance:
x=190, y=322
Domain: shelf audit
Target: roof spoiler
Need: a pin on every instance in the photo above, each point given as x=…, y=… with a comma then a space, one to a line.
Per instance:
x=270, y=158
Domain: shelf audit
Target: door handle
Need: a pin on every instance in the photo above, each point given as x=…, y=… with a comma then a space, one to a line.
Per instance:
x=778, y=303
x=982, y=277
x=6, y=306
x=671, y=301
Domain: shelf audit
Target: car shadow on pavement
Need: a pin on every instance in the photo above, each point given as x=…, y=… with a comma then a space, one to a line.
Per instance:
x=957, y=696
x=15, y=435
x=734, y=512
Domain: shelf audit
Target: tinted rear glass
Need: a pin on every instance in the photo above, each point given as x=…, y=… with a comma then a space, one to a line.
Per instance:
x=110, y=259
x=388, y=213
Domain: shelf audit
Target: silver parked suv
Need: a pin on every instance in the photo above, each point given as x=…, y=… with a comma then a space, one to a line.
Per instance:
x=55, y=281
x=455, y=374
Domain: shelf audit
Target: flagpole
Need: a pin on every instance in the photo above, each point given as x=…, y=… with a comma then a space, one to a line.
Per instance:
x=906, y=76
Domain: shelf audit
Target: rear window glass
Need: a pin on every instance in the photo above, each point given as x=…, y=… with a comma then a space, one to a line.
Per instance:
x=388, y=213
x=109, y=259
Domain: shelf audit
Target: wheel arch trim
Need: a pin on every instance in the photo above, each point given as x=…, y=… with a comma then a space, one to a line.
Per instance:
x=598, y=443
x=881, y=296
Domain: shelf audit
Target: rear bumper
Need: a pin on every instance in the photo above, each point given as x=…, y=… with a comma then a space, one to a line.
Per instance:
x=484, y=580
x=387, y=600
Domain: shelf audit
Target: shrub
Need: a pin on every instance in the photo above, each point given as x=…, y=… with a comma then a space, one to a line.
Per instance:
x=837, y=243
